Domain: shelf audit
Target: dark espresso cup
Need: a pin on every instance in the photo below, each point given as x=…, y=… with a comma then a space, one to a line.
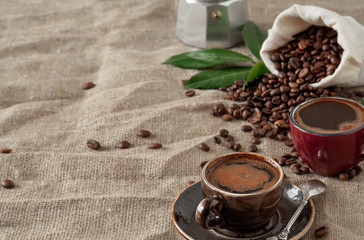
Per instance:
x=241, y=192
x=328, y=134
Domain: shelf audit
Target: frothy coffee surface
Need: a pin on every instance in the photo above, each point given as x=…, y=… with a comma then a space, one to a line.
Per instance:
x=243, y=175
x=329, y=116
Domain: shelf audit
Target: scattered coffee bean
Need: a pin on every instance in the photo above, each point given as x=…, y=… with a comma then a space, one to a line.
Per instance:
x=237, y=147
x=231, y=144
x=291, y=161
x=295, y=165
x=282, y=161
x=289, y=143
x=93, y=144
x=227, y=117
x=202, y=164
x=246, y=128
x=189, y=183
x=124, y=144
x=204, y=147
x=344, y=176
x=296, y=170
x=190, y=93
x=143, y=133
x=184, y=81
x=224, y=133
x=229, y=138
x=295, y=154
x=88, y=85
x=305, y=170
x=155, y=145
x=286, y=155
x=217, y=140
x=351, y=172
x=253, y=148
x=358, y=169
x=255, y=133
x=321, y=231
x=5, y=150
x=255, y=140
x=6, y=183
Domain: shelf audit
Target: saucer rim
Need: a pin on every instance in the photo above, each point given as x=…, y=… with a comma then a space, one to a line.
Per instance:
x=296, y=237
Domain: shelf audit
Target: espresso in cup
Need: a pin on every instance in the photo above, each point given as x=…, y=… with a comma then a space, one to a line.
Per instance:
x=328, y=134
x=243, y=175
x=329, y=115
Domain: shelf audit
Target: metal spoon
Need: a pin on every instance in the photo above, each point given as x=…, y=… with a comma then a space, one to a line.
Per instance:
x=310, y=188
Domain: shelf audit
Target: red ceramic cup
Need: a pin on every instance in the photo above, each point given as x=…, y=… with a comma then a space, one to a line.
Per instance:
x=328, y=153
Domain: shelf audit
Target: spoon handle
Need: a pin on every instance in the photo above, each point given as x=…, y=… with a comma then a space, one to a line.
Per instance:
x=284, y=233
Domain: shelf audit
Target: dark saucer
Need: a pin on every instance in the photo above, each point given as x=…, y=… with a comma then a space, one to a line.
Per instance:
x=183, y=216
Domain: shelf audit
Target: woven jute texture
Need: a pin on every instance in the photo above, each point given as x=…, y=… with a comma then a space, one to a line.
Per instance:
x=64, y=190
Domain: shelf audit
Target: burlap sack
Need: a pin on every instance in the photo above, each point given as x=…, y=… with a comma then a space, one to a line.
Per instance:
x=350, y=72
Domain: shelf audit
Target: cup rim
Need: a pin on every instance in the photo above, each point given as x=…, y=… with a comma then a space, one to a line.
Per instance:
x=324, y=134
x=263, y=157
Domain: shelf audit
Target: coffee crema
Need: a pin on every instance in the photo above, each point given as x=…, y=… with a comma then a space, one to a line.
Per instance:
x=329, y=115
x=243, y=175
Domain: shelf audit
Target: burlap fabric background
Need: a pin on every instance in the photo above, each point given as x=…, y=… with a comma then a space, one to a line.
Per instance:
x=64, y=190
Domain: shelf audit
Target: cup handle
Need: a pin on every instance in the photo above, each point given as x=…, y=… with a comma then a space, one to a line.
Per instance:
x=208, y=213
x=361, y=155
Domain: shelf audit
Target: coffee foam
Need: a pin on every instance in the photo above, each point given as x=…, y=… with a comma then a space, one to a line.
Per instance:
x=342, y=127
x=243, y=175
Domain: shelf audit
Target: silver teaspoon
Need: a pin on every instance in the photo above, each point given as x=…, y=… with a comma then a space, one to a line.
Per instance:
x=310, y=188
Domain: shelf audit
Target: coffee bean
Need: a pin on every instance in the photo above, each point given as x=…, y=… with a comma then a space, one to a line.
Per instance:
x=5, y=150
x=237, y=113
x=93, y=144
x=204, y=147
x=281, y=137
x=217, y=140
x=155, y=145
x=237, y=147
x=255, y=140
x=229, y=138
x=351, y=173
x=189, y=183
x=6, y=183
x=224, y=133
x=202, y=164
x=124, y=144
x=282, y=161
x=184, y=81
x=274, y=92
x=321, y=231
x=358, y=169
x=246, y=128
x=296, y=170
x=295, y=165
x=88, y=85
x=255, y=133
x=143, y=133
x=344, y=176
x=295, y=154
x=289, y=143
x=284, y=89
x=253, y=148
x=305, y=170
x=227, y=117
x=190, y=93
x=291, y=161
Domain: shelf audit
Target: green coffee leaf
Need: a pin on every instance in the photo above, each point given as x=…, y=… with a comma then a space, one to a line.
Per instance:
x=210, y=79
x=253, y=38
x=206, y=58
x=257, y=70
x=360, y=99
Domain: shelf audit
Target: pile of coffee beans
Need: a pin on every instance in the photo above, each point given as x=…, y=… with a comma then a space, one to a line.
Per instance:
x=310, y=57
x=350, y=173
x=293, y=161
